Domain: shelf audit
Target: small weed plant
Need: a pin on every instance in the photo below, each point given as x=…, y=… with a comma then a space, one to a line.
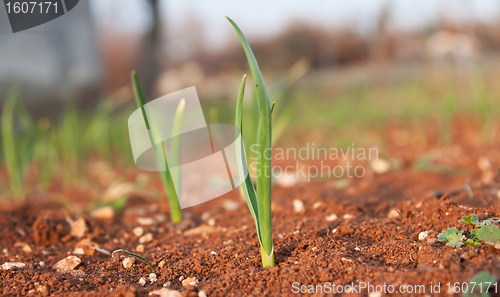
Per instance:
x=484, y=232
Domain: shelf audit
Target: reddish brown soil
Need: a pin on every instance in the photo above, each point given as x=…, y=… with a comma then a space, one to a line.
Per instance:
x=374, y=239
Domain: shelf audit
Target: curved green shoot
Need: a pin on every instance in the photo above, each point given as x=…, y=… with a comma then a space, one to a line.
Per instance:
x=135, y=255
x=259, y=203
x=9, y=147
x=166, y=176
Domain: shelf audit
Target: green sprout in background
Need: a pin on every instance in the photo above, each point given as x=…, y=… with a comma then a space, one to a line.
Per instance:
x=480, y=284
x=487, y=232
x=166, y=176
x=258, y=202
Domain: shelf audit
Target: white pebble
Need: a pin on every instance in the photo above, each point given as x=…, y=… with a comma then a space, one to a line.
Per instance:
x=146, y=238
x=128, y=262
x=317, y=204
x=142, y=281
x=152, y=277
x=380, y=166
x=483, y=164
x=145, y=221
x=10, y=265
x=348, y=216
x=394, y=213
x=202, y=294
x=230, y=205
x=213, y=253
x=298, y=205
x=138, y=231
x=42, y=264
x=331, y=218
x=423, y=235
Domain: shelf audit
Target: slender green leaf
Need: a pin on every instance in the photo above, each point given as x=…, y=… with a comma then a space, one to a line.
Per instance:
x=264, y=137
x=247, y=186
x=166, y=177
x=9, y=147
x=135, y=255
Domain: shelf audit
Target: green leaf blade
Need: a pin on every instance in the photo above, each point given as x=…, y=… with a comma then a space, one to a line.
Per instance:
x=264, y=138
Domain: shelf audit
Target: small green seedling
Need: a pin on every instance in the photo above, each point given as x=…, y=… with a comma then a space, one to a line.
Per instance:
x=489, y=234
x=480, y=284
x=135, y=255
x=471, y=219
x=452, y=237
x=258, y=202
x=166, y=176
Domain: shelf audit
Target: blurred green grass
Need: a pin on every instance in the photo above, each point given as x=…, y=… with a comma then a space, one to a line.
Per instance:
x=310, y=107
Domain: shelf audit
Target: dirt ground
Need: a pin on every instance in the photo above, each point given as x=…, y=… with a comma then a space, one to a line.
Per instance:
x=349, y=232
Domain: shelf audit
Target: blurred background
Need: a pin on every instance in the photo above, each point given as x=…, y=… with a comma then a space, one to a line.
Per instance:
x=377, y=73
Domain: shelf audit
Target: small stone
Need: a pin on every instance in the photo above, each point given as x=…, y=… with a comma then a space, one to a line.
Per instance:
x=128, y=262
x=152, y=277
x=298, y=205
x=142, y=281
x=190, y=281
x=27, y=248
x=181, y=278
x=138, y=231
x=145, y=221
x=78, y=228
x=146, y=238
x=103, y=213
x=42, y=290
x=345, y=260
x=484, y=164
x=162, y=263
x=203, y=229
x=202, y=294
x=230, y=205
x=331, y=218
x=79, y=251
x=140, y=248
x=317, y=204
x=423, y=235
x=77, y=273
x=42, y=264
x=67, y=264
x=211, y=222
x=380, y=166
x=374, y=294
x=287, y=180
x=394, y=213
x=10, y=265
x=348, y=216
x=213, y=253
x=164, y=292
x=205, y=216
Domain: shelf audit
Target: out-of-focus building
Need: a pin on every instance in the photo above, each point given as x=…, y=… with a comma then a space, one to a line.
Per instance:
x=54, y=61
